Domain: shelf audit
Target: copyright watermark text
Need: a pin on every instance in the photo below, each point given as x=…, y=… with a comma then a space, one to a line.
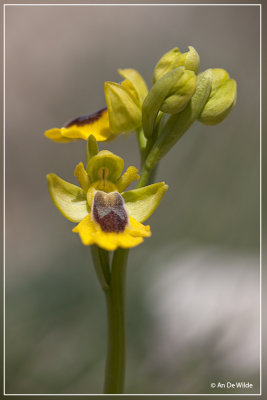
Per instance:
x=231, y=385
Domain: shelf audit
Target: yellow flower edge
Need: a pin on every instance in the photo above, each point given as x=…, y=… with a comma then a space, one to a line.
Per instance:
x=91, y=233
x=81, y=128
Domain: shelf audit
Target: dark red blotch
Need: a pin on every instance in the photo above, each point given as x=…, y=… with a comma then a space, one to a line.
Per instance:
x=85, y=119
x=108, y=210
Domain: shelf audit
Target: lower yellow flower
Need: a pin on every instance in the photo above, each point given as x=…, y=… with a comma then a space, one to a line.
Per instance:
x=114, y=229
x=107, y=216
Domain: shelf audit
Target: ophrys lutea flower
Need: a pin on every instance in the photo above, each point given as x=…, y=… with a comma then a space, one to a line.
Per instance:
x=107, y=215
x=123, y=113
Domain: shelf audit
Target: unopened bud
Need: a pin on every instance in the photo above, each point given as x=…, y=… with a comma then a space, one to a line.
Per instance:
x=174, y=59
x=221, y=100
x=166, y=63
x=180, y=93
x=170, y=94
x=189, y=60
x=124, y=107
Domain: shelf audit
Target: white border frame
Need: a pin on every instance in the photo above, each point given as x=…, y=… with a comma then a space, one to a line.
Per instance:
x=4, y=92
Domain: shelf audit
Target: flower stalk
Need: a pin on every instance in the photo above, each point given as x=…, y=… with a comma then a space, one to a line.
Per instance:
x=115, y=301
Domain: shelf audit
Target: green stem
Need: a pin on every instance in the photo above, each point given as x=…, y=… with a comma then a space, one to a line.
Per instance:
x=115, y=300
x=148, y=173
x=101, y=263
x=142, y=141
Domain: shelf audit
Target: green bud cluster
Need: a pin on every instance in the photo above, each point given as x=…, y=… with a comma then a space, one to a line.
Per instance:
x=178, y=97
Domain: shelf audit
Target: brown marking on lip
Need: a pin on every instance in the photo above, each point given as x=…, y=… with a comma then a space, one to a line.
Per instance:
x=109, y=212
x=86, y=119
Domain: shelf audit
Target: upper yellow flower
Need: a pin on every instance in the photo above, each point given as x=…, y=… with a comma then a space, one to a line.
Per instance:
x=123, y=112
x=107, y=216
x=96, y=124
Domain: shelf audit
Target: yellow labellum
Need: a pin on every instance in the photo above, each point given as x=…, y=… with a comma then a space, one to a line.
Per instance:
x=91, y=233
x=96, y=124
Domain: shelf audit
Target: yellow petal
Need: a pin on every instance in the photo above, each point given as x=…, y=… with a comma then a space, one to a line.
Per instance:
x=127, y=178
x=138, y=229
x=91, y=233
x=96, y=124
x=86, y=230
x=56, y=135
x=127, y=241
x=107, y=240
x=82, y=176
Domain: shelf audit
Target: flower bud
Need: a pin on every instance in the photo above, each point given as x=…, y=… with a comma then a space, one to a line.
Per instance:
x=170, y=94
x=124, y=107
x=180, y=93
x=178, y=124
x=221, y=100
x=166, y=63
x=174, y=59
x=189, y=60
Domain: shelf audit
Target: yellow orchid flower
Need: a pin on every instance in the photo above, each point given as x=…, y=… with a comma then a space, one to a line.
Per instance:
x=96, y=124
x=106, y=215
x=123, y=112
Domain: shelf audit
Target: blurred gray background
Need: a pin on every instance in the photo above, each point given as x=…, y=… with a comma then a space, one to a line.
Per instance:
x=193, y=287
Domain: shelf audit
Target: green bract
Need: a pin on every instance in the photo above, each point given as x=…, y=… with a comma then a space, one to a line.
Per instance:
x=221, y=100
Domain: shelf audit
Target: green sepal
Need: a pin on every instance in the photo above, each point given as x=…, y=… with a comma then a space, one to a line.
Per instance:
x=141, y=203
x=91, y=148
x=221, y=100
x=69, y=199
x=169, y=94
x=137, y=81
x=106, y=162
x=178, y=124
x=124, y=106
x=166, y=63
